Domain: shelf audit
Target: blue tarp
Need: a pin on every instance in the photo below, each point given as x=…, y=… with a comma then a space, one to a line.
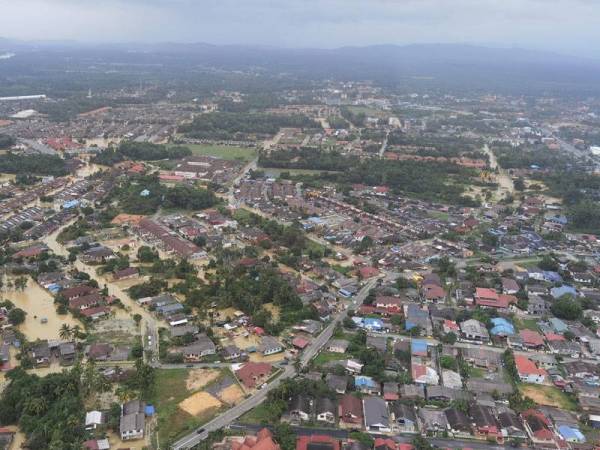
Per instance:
x=418, y=346
x=571, y=434
x=502, y=327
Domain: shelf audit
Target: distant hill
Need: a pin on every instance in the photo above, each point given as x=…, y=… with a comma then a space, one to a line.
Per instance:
x=445, y=66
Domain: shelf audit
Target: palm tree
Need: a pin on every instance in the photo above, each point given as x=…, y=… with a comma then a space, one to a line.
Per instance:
x=65, y=332
x=76, y=332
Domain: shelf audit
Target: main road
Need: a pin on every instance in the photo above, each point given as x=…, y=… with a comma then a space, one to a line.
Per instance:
x=260, y=395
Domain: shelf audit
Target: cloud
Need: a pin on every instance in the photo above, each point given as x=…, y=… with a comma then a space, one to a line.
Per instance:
x=562, y=25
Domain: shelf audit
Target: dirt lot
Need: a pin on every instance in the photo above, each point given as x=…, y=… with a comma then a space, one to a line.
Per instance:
x=199, y=403
x=198, y=378
x=231, y=395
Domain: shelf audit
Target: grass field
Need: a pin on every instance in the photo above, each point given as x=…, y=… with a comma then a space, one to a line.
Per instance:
x=223, y=151
x=325, y=357
x=527, y=324
x=170, y=391
x=548, y=395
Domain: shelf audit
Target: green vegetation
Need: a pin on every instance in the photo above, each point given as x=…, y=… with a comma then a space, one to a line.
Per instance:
x=32, y=164
x=145, y=194
x=170, y=390
x=48, y=410
x=426, y=180
x=223, y=151
x=239, y=126
x=552, y=396
x=140, y=151
x=326, y=357
x=6, y=141
x=567, y=308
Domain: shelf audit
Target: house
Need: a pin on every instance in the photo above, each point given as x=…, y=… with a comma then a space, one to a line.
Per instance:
x=231, y=352
x=350, y=412
x=366, y=385
x=423, y=374
x=538, y=427
x=473, y=330
x=412, y=391
x=390, y=391
x=133, y=420
x=509, y=286
x=489, y=298
x=458, y=422
x=262, y=441
x=531, y=339
x=528, y=371
x=444, y=393
x=482, y=357
x=317, y=442
x=300, y=408
x=338, y=383
x=433, y=420
x=326, y=410
x=337, y=346
x=433, y=293
x=376, y=415
x=40, y=352
x=201, y=347
x=94, y=419
x=126, y=274
x=564, y=290
x=67, y=354
x=253, y=374
x=378, y=343
x=451, y=379
x=132, y=426
x=97, y=255
x=478, y=386
x=450, y=326
x=77, y=291
x=99, y=351
x=571, y=434
x=485, y=422
x=96, y=444
x=404, y=418
x=501, y=327
x=511, y=426
x=537, y=306
x=269, y=346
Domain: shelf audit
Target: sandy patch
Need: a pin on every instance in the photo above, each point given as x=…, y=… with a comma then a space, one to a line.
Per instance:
x=199, y=403
x=231, y=395
x=273, y=309
x=198, y=378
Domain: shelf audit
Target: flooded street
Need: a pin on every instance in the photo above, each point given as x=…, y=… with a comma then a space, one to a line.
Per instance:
x=39, y=304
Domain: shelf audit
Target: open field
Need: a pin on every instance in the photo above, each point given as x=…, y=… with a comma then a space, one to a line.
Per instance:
x=223, y=151
x=547, y=395
x=199, y=403
x=526, y=324
x=325, y=357
x=171, y=390
x=198, y=378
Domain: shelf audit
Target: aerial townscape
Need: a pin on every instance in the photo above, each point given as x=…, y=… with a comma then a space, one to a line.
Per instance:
x=203, y=250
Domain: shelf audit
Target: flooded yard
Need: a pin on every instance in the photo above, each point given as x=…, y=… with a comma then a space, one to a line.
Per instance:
x=39, y=304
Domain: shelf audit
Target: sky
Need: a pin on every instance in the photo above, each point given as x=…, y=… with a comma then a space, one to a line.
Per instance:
x=566, y=26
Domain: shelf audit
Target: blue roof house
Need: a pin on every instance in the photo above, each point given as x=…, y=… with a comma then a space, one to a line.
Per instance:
x=571, y=434
x=565, y=289
x=502, y=327
x=366, y=384
x=558, y=325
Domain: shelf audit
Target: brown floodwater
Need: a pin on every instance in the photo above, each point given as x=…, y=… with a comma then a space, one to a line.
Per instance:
x=39, y=304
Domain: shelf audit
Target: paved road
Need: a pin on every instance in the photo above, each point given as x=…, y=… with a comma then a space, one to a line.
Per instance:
x=289, y=371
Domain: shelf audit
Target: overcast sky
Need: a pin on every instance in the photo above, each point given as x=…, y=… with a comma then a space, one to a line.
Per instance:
x=567, y=26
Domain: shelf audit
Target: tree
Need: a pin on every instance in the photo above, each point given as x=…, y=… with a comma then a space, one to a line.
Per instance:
x=137, y=319
x=20, y=283
x=16, y=316
x=65, y=332
x=449, y=338
x=548, y=263
x=420, y=443
x=566, y=308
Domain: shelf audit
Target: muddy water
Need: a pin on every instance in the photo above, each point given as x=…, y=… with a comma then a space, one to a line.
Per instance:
x=39, y=304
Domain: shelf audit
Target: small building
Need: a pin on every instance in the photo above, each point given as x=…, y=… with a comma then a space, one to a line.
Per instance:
x=377, y=418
